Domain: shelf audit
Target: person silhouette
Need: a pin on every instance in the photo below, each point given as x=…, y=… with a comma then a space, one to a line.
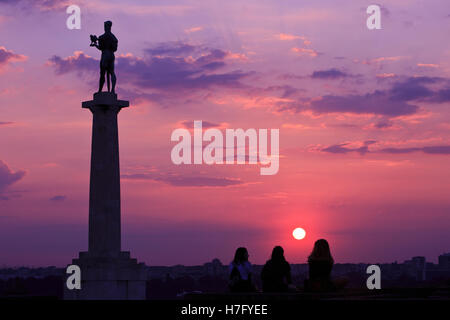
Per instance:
x=241, y=272
x=276, y=273
x=107, y=44
x=320, y=264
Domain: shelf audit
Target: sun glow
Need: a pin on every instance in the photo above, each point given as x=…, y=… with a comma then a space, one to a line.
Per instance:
x=299, y=233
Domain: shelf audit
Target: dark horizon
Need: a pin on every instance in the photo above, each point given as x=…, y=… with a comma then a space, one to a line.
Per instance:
x=225, y=264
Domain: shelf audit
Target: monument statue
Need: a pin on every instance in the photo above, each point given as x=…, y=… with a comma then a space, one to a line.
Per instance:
x=107, y=44
x=107, y=272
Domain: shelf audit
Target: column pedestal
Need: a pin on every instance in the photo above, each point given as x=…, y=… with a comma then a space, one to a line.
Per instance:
x=119, y=278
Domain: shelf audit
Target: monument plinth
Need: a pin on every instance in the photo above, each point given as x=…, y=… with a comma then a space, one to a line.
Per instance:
x=106, y=271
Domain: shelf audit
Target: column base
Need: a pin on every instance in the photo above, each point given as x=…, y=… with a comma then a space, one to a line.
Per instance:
x=109, y=278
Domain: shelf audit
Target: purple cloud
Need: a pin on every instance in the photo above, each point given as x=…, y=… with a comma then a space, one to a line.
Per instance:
x=7, y=177
x=442, y=96
x=378, y=102
x=383, y=124
x=392, y=102
x=342, y=149
x=7, y=56
x=40, y=4
x=440, y=150
x=175, y=73
x=78, y=63
x=329, y=74
x=413, y=88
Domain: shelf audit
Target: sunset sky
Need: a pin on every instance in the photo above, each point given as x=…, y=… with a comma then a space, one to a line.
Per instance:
x=363, y=118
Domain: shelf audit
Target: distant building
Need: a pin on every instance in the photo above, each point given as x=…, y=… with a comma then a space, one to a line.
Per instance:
x=444, y=261
x=214, y=268
x=416, y=267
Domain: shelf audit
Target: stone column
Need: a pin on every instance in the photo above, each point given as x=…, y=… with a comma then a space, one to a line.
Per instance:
x=106, y=271
x=104, y=191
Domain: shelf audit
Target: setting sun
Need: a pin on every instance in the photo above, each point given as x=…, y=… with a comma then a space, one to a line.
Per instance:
x=299, y=233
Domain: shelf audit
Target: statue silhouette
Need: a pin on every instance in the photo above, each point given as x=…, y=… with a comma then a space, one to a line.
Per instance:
x=107, y=44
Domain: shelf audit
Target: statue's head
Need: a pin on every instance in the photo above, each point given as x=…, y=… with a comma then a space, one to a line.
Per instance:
x=108, y=25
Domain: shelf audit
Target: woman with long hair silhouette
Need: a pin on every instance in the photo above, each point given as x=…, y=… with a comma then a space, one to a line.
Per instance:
x=241, y=273
x=320, y=264
x=276, y=273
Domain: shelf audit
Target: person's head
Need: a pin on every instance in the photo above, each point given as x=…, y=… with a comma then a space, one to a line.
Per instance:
x=321, y=251
x=278, y=254
x=108, y=25
x=241, y=255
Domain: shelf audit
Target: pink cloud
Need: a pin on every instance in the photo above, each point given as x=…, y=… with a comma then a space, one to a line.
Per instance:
x=291, y=37
x=8, y=56
x=379, y=60
x=385, y=75
x=303, y=51
x=193, y=29
x=428, y=65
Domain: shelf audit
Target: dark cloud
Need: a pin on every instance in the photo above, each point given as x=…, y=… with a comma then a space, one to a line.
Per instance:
x=399, y=150
x=7, y=178
x=183, y=181
x=441, y=150
x=78, y=63
x=416, y=88
x=285, y=91
x=344, y=125
x=58, y=198
x=162, y=73
x=179, y=74
x=6, y=123
x=383, y=124
x=378, y=102
x=442, y=96
x=342, y=149
x=398, y=100
x=329, y=74
x=413, y=88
